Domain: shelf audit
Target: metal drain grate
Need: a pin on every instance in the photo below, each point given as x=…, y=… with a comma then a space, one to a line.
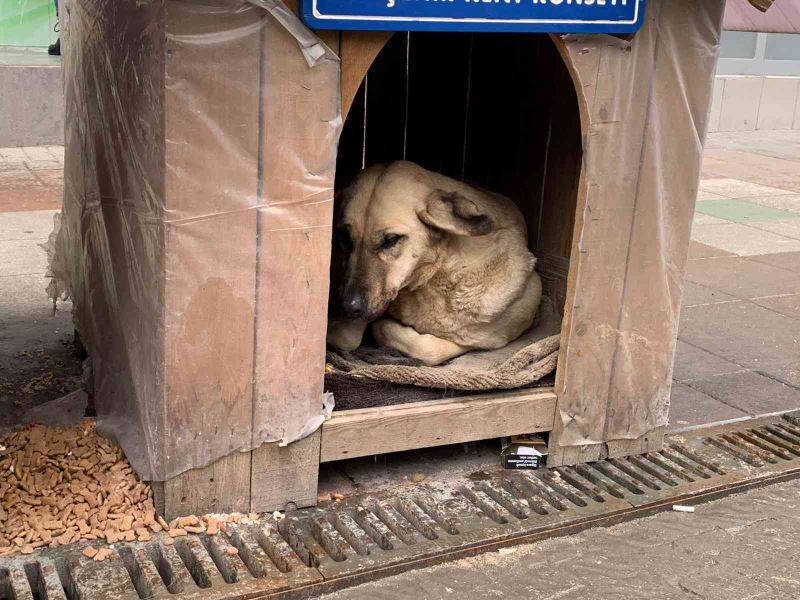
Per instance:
x=320, y=549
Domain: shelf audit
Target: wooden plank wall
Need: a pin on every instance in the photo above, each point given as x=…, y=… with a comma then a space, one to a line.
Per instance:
x=269, y=295
x=210, y=196
x=300, y=110
x=642, y=158
x=366, y=432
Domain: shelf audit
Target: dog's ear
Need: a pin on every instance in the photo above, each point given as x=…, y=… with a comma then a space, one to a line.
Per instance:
x=454, y=213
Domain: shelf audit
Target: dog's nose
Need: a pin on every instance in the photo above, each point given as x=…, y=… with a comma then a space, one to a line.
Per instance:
x=354, y=305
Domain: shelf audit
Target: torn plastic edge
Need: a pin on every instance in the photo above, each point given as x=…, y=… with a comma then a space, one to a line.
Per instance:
x=313, y=48
x=288, y=437
x=313, y=424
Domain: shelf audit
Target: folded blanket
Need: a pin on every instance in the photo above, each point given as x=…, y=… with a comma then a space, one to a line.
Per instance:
x=372, y=371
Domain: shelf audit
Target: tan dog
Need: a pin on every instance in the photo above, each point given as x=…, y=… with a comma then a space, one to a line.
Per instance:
x=447, y=262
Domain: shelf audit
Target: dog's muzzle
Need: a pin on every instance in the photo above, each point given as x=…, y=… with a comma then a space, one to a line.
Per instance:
x=354, y=305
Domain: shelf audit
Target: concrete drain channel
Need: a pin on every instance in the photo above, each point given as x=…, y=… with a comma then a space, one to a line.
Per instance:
x=317, y=550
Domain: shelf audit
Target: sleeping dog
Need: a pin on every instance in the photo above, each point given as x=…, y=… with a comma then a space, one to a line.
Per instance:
x=438, y=267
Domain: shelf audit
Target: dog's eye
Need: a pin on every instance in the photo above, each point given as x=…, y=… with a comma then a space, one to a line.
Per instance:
x=343, y=239
x=390, y=241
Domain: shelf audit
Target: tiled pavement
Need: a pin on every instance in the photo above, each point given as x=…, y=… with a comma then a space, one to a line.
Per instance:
x=31, y=179
x=739, y=343
x=36, y=362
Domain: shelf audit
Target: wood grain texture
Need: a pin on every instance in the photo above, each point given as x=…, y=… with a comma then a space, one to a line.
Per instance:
x=223, y=486
x=364, y=432
x=357, y=50
x=643, y=148
x=210, y=196
x=618, y=82
x=284, y=475
x=651, y=441
x=668, y=179
x=299, y=136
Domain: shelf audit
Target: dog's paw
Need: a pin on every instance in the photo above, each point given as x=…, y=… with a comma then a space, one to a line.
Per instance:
x=345, y=335
x=387, y=332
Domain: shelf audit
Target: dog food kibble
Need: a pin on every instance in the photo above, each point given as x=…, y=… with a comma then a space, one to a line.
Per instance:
x=190, y=529
x=63, y=484
x=231, y=551
x=102, y=554
x=213, y=527
x=60, y=485
x=177, y=532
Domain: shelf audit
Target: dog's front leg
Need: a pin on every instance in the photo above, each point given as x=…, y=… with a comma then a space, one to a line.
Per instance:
x=346, y=334
x=425, y=347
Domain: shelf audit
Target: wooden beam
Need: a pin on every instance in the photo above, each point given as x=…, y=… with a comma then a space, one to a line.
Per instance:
x=652, y=441
x=284, y=475
x=221, y=487
x=364, y=432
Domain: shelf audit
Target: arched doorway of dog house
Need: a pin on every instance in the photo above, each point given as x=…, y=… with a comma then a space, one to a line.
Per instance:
x=499, y=111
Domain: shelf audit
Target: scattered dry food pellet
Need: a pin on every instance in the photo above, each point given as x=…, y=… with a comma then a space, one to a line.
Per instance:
x=191, y=529
x=102, y=554
x=231, y=551
x=417, y=477
x=144, y=536
x=212, y=528
x=253, y=516
x=27, y=549
x=182, y=522
x=163, y=523
x=337, y=496
x=524, y=502
x=89, y=552
x=156, y=527
x=67, y=484
x=177, y=532
x=168, y=542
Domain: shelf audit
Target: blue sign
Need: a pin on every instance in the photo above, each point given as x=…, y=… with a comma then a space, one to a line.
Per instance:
x=556, y=16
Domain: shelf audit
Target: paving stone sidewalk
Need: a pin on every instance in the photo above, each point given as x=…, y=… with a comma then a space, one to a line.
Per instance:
x=37, y=361
x=739, y=342
x=743, y=547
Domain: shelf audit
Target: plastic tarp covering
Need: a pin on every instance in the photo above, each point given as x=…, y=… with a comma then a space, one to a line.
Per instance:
x=201, y=146
x=645, y=107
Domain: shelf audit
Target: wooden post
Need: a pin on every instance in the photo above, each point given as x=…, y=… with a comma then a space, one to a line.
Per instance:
x=642, y=157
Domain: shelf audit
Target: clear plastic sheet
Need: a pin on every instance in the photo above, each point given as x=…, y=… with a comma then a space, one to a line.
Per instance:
x=645, y=105
x=201, y=142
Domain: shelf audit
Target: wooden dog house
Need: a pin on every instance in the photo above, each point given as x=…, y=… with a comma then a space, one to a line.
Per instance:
x=200, y=169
